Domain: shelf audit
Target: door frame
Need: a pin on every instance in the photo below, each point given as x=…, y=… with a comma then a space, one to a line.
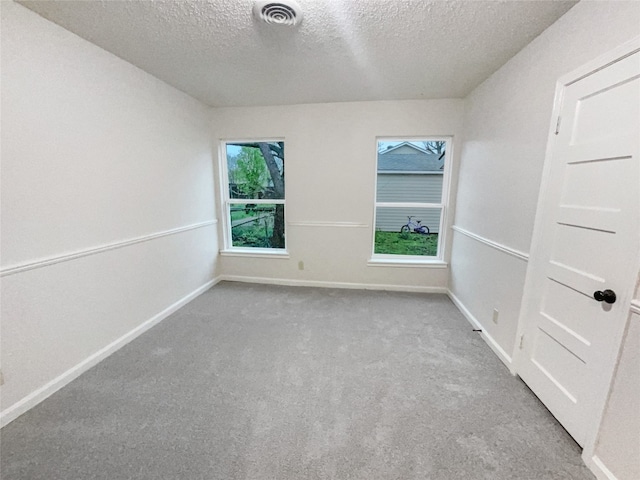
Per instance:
x=600, y=396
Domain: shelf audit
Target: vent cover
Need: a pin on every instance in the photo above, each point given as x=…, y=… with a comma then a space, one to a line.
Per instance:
x=285, y=12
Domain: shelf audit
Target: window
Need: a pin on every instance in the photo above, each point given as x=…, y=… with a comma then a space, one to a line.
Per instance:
x=254, y=201
x=411, y=185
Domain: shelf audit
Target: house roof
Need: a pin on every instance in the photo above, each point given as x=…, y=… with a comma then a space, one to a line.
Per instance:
x=402, y=162
x=403, y=144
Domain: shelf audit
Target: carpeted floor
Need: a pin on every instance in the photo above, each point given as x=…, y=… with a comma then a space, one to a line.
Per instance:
x=253, y=382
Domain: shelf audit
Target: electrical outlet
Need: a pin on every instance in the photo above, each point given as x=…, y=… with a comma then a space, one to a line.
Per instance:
x=495, y=315
x=300, y=265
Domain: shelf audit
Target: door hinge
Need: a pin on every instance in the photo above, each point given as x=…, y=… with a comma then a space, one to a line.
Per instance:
x=521, y=342
x=558, y=125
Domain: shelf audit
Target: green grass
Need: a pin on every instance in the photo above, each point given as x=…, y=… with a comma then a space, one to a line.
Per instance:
x=254, y=236
x=395, y=243
x=238, y=214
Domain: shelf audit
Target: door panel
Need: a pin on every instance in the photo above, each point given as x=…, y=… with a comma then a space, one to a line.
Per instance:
x=564, y=335
x=548, y=353
x=606, y=107
x=574, y=278
x=582, y=169
x=594, y=218
x=581, y=248
x=587, y=240
x=577, y=310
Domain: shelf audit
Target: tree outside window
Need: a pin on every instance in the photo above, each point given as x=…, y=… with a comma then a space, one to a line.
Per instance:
x=255, y=199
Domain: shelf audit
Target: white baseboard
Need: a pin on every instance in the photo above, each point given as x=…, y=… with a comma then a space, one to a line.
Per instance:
x=497, y=349
x=599, y=469
x=324, y=284
x=42, y=393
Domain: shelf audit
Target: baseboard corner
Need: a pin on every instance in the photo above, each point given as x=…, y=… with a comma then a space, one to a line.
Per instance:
x=42, y=393
x=599, y=469
x=497, y=349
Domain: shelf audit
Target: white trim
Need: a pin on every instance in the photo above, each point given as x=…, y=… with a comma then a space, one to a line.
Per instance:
x=635, y=306
x=388, y=262
x=255, y=253
x=325, y=284
x=45, y=262
x=42, y=393
x=328, y=224
x=600, y=470
x=498, y=246
x=497, y=349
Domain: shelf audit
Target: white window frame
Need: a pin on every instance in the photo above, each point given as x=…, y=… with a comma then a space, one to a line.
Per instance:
x=379, y=259
x=227, y=201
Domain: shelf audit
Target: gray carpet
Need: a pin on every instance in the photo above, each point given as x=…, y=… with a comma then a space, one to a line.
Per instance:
x=252, y=382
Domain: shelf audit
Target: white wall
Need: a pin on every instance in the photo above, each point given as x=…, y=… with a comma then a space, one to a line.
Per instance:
x=618, y=443
x=507, y=121
x=95, y=153
x=330, y=158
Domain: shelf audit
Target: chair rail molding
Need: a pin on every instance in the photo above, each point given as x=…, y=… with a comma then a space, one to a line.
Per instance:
x=52, y=260
x=498, y=246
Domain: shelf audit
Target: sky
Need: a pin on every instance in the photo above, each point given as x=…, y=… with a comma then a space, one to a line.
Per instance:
x=233, y=150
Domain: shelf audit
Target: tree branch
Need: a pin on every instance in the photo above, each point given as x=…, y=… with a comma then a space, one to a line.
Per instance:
x=272, y=166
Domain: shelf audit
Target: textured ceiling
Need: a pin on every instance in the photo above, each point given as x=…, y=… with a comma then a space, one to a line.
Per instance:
x=344, y=50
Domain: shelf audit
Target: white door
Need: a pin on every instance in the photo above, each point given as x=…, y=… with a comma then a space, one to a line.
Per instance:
x=586, y=240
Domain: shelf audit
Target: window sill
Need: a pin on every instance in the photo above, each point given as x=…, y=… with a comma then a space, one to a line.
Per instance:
x=392, y=262
x=255, y=253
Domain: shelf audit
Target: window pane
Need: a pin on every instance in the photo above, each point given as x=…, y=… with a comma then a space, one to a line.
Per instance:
x=407, y=231
x=256, y=170
x=410, y=171
x=257, y=225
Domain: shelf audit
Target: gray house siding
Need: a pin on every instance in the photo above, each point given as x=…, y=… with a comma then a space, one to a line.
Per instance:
x=401, y=187
x=408, y=175
x=407, y=187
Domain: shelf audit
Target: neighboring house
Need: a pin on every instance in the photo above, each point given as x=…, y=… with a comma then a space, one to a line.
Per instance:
x=408, y=173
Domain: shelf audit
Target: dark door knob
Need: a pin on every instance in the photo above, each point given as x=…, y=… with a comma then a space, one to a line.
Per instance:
x=607, y=296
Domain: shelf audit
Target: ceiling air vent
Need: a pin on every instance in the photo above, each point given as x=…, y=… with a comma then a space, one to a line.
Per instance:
x=286, y=12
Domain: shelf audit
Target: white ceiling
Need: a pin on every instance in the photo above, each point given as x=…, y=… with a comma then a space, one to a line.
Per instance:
x=344, y=50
